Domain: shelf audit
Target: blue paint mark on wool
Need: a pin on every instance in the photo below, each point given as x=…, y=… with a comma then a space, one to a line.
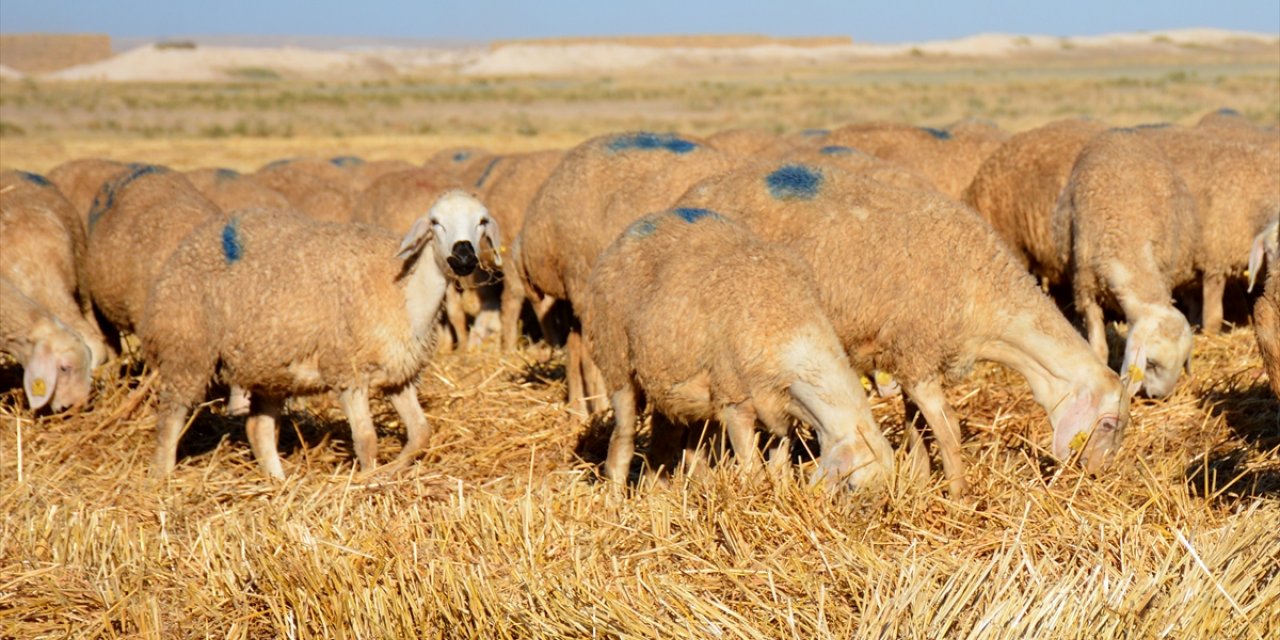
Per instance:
x=35, y=178
x=461, y=156
x=105, y=199
x=794, y=182
x=232, y=249
x=939, y=134
x=693, y=215
x=646, y=141
x=1228, y=111
x=839, y=150
x=346, y=161
x=222, y=175
x=277, y=163
x=814, y=133
x=487, y=170
x=642, y=228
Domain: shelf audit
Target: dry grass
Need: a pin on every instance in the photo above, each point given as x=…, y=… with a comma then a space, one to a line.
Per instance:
x=503, y=530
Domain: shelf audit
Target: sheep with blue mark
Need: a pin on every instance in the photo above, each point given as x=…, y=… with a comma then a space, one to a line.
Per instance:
x=56, y=363
x=138, y=220
x=1231, y=124
x=44, y=254
x=948, y=159
x=930, y=291
x=314, y=186
x=700, y=319
x=507, y=190
x=80, y=180
x=1236, y=186
x=860, y=163
x=466, y=164
x=600, y=187
x=1130, y=225
x=1266, y=309
x=232, y=190
x=1017, y=187
x=359, y=315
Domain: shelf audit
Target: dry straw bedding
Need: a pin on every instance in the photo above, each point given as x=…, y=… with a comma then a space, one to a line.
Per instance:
x=502, y=530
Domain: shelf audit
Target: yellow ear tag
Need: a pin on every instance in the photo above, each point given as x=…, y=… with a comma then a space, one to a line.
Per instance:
x=1136, y=374
x=38, y=388
x=1077, y=442
x=883, y=379
x=866, y=383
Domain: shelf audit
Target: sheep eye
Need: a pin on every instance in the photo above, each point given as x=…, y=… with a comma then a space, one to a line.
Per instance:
x=484, y=221
x=1153, y=367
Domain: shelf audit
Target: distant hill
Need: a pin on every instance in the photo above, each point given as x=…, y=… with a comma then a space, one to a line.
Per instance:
x=715, y=41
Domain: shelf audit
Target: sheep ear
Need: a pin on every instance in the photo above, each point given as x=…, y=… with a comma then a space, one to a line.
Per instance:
x=40, y=376
x=415, y=240
x=494, y=236
x=1257, y=254
x=1070, y=434
x=1134, y=368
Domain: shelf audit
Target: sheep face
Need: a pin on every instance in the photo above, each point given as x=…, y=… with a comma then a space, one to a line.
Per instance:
x=458, y=226
x=1156, y=352
x=1091, y=422
x=58, y=372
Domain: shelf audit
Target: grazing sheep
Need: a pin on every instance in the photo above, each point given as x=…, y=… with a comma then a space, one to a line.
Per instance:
x=313, y=186
x=706, y=321
x=137, y=221
x=79, y=180
x=44, y=253
x=231, y=190
x=507, y=192
x=1131, y=226
x=56, y=363
x=859, y=163
x=1236, y=187
x=948, y=160
x=917, y=285
x=1017, y=188
x=1266, y=311
x=360, y=315
x=600, y=187
x=752, y=143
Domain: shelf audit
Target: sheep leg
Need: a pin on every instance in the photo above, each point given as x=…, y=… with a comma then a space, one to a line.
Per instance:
x=513, y=294
x=355, y=404
x=573, y=374
x=457, y=317
x=622, y=443
x=238, y=401
x=417, y=429
x=917, y=454
x=1212, y=290
x=596, y=390
x=261, y=430
x=739, y=421
x=1094, y=325
x=780, y=456
x=173, y=417
x=932, y=402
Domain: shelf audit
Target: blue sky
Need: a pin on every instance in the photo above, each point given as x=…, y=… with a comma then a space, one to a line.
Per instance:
x=878, y=21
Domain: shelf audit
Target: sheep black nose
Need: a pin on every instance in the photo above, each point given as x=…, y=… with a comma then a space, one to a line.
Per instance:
x=463, y=261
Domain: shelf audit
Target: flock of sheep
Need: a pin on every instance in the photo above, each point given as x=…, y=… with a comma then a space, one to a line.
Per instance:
x=748, y=279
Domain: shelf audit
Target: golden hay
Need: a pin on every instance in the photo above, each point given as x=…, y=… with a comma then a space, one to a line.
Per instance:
x=503, y=531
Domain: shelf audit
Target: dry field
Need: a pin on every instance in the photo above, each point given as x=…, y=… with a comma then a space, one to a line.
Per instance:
x=503, y=529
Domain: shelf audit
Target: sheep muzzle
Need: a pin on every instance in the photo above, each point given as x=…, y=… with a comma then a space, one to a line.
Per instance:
x=463, y=260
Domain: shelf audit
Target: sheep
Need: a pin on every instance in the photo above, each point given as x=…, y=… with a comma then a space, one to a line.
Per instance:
x=363, y=173
x=1017, y=188
x=948, y=160
x=917, y=285
x=56, y=363
x=1130, y=222
x=79, y=180
x=231, y=190
x=394, y=201
x=1266, y=310
x=863, y=164
x=137, y=220
x=694, y=313
x=1236, y=187
x=600, y=187
x=315, y=187
x=45, y=252
x=507, y=192
x=360, y=315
